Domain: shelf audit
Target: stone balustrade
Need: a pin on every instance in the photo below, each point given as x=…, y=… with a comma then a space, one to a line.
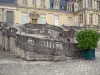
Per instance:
x=29, y=42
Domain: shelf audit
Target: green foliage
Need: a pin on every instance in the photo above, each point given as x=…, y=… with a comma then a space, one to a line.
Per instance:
x=87, y=39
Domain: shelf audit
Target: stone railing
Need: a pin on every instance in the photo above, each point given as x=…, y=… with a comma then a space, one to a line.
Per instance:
x=24, y=43
x=43, y=26
x=31, y=48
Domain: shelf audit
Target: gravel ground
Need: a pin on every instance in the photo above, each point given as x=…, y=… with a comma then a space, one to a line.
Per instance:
x=15, y=66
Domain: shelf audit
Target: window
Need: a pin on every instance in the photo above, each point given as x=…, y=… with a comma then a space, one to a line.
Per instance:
x=80, y=5
x=43, y=3
x=90, y=4
x=69, y=7
x=98, y=5
x=42, y=19
x=10, y=17
x=34, y=2
x=81, y=18
x=70, y=20
x=56, y=5
x=91, y=19
x=25, y=18
x=56, y=20
x=1, y=15
x=24, y=2
x=98, y=19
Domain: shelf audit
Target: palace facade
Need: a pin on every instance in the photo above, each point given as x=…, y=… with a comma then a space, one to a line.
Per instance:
x=87, y=12
x=54, y=12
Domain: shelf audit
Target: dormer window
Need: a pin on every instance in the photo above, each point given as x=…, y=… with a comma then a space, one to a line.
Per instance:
x=24, y=2
x=98, y=5
x=90, y=4
x=56, y=4
x=80, y=5
x=43, y=3
x=34, y=2
x=69, y=7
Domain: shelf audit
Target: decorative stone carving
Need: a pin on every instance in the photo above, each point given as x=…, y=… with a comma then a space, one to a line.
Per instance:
x=34, y=15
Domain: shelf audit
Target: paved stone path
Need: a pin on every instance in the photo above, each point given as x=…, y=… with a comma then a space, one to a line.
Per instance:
x=15, y=66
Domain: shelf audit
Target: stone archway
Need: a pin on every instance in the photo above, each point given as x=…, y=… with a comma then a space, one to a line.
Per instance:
x=34, y=17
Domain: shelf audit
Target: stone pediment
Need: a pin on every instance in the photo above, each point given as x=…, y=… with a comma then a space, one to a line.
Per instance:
x=34, y=15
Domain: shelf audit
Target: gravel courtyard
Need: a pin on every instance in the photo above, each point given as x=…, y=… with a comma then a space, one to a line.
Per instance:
x=15, y=66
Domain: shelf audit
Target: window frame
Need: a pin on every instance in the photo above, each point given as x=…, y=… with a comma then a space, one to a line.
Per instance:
x=98, y=19
x=91, y=19
x=56, y=18
x=81, y=18
x=42, y=18
x=34, y=2
x=80, y=5
x=42, y=4
x=90, y=4
x=24, y=2
x=56, y=5
x=98, y=5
